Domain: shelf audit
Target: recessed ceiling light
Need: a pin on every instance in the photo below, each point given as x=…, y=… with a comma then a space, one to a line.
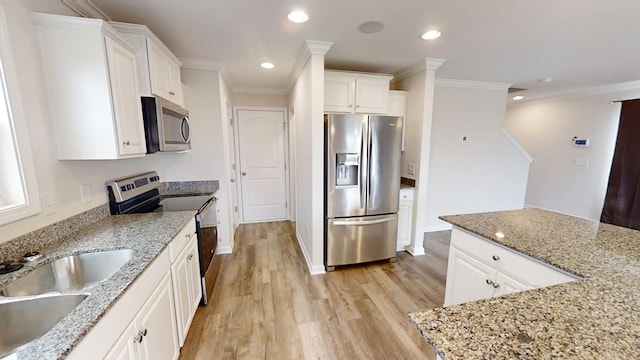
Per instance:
x=267, y=65
x=547, y=80
x=371, y=27
x=518, y=97
x=298, y=16
x=430, y=35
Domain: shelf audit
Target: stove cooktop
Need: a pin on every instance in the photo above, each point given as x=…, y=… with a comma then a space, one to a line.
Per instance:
x=180, y=203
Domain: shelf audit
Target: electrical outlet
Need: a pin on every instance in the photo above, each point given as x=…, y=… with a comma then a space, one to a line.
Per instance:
x=85, y=191
x=411, y=169
x=48, y=207
x=582, y=161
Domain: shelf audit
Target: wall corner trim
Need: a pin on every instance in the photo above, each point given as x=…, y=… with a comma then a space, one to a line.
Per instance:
x=313, y=270
x=310, y=47
x=201, y=64
x=434, y=64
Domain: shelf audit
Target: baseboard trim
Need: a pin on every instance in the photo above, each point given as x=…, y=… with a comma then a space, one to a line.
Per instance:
x=224, y=250
x=313, y=270
x=439, y=227
x=414, y=251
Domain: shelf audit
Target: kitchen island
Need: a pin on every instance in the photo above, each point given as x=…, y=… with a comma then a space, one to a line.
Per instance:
x=596, y=317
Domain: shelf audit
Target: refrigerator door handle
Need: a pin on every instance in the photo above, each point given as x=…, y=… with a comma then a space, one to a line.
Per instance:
x=369, y=154
x=363, y=172
x=361, y=223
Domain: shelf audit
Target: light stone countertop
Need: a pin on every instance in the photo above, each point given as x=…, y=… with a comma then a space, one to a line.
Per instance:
x=147, y=234
x=597, y=317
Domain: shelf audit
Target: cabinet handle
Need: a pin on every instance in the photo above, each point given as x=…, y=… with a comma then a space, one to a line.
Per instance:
x=489, y=282
x=144, y=332
x=126, y=143
x=172, y=93
x=495, y=285
x=188, y=236
x=350, y=106
x=212, y=251
x=190, y=257
x=357, y=106
x=495, y=257
x=138, y=337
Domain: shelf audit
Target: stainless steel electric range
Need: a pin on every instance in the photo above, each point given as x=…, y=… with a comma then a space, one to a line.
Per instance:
x=140, y=193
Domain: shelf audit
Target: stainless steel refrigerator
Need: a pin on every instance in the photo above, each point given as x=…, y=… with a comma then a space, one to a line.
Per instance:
x=362, y=184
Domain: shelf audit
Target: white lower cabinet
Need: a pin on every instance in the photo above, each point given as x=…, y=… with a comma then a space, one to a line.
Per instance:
x=481, y=269
x=152, y=334
x=187, y=288
x=405, y=211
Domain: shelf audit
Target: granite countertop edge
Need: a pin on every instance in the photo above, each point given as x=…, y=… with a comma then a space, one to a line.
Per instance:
x=147, y=234
x=593, y=317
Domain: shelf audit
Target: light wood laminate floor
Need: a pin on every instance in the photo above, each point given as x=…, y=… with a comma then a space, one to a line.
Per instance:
x=265, y=305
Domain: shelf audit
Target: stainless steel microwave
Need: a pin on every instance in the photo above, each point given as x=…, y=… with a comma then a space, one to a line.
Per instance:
x=166, y=125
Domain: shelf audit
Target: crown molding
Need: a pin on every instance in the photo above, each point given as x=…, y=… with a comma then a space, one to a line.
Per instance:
x=201, y=64
x=259, y=91
x=469, y=84
x=429, y=63
x=86, y=8
x=311, y=47
x=584, y=92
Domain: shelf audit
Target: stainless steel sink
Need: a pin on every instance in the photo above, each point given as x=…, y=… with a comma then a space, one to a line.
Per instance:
x=25, y=320
x=71, y=273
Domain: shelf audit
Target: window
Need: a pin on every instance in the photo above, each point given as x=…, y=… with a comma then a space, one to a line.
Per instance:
x=18, y=187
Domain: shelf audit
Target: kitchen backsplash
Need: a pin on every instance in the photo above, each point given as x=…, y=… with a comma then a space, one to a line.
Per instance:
x=169, y=187
x=50, y=234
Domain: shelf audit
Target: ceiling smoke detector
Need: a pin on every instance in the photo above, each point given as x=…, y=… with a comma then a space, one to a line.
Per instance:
x=371, y=27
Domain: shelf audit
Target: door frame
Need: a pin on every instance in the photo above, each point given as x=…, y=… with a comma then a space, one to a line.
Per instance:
x=233, y=181
x=287, y=168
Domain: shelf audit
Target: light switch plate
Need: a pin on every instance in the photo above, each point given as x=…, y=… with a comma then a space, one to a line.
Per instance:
x=582, y=161
x=85, y=191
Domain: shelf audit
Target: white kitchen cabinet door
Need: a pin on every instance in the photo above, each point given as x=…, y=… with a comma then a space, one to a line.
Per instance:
x=351, y=92
x=195, y=290
x=92, y=88
x=164, y=74
x=467, y=279
x=405, y=212
x=125, y=348
x=181, y=282
x=157, y=324
x=187, y=286
x=372, y=95
x=126, y=99
x=339, y=93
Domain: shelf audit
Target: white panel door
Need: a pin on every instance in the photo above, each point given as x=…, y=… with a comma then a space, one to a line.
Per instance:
x=261, y=143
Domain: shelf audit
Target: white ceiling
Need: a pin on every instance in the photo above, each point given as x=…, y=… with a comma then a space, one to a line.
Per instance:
x=578, y=43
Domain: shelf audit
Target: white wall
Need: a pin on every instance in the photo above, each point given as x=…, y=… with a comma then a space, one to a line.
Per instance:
x=413, y=127
x=61, y=180
x=307, y=98
x=484, y=173
x=546, y=129
x=259, y=100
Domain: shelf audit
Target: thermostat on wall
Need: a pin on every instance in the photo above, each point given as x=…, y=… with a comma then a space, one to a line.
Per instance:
x=580, y=142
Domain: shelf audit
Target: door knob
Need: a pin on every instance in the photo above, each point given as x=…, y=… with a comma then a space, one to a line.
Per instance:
x=244, y=173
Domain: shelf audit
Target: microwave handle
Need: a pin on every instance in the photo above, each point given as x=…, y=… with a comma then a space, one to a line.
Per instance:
x=186, y=119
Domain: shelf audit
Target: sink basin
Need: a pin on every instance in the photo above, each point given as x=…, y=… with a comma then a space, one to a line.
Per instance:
x=23, y=321
x=71, y=273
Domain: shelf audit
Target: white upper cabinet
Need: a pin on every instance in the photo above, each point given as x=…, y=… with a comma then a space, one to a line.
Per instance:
x=92, y=84
x=158, y=68
x=348, y=92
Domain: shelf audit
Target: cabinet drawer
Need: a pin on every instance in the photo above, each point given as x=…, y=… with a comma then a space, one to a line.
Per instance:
x=519, y=266
x=406, y=194
x=181, y=240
